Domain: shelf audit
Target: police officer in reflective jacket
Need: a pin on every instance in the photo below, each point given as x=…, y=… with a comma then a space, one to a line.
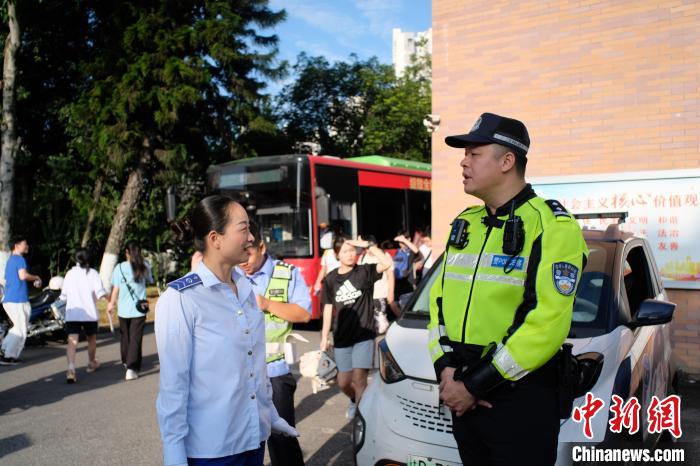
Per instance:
x=285, y=299
x=501, y=309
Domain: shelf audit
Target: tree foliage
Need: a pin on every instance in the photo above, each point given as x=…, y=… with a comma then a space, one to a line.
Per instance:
x=358, y=107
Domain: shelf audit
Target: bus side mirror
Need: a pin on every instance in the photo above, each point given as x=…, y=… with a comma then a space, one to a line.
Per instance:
x=170, y=204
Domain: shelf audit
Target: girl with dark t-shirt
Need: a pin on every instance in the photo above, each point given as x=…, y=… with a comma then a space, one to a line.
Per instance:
x=349, y=290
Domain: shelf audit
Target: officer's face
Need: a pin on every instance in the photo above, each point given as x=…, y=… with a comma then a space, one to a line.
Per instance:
x=347, y=255
x=481, y=169
x=233, y=244
x=256, y=259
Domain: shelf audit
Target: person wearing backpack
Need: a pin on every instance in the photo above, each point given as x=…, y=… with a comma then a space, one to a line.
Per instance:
x=129, y=290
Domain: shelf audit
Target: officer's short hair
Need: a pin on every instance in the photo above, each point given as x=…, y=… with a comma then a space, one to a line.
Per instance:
x=257, y=234
x=520, y=160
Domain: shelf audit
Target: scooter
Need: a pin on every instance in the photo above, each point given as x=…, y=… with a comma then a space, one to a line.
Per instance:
x=47, y=316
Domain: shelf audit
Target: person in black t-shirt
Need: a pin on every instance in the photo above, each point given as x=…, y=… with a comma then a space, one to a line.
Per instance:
x=349, y=291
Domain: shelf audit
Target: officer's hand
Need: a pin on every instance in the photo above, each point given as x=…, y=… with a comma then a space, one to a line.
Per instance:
x=456, y=397
x=263, y=303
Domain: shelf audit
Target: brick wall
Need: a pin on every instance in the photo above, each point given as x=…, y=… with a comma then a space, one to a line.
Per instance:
x=603, y=86
x=685, y=329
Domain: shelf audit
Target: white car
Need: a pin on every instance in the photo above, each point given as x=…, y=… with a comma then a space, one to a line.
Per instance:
x=621, y=320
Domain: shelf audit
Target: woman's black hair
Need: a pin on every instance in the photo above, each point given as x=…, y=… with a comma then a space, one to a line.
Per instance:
x=138, y=266
x=338, y=242
x=210, y=214
x=82, y=257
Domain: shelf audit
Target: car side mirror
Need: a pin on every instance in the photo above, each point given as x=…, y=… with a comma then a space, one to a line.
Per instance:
x=653, y=312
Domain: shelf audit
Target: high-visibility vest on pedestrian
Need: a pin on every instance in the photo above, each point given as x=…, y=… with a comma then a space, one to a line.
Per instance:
x=521, y=304
x=277, y=329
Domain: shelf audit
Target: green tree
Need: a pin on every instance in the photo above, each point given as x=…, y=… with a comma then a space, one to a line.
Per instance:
x=329, y=104
x=168, y=88
x=394, y=126
x=10, y=141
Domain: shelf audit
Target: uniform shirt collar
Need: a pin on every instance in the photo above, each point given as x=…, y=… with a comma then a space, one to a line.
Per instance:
x=521, y=198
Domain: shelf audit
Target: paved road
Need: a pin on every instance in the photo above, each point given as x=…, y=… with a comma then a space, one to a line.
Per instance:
x=104, y=420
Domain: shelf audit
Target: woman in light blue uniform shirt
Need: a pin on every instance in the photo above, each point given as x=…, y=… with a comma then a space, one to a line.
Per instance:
x=215, y=400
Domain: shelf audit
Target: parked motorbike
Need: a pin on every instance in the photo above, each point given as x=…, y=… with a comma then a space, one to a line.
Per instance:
x=47, y=315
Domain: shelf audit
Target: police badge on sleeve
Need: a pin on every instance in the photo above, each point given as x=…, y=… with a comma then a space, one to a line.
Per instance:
x=565, y=276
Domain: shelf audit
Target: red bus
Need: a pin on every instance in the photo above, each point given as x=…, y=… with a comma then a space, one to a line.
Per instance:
x=291, y=195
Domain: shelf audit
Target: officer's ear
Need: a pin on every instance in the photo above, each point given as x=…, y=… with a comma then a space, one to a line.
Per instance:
x=263, y=247
x=507, y=161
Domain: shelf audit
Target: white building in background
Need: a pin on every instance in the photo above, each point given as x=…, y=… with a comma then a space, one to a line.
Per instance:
x=405, y=44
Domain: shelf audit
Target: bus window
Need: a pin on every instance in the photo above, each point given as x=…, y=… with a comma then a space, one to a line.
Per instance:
x=340, y=186
x=383, y=212
x=276, y=195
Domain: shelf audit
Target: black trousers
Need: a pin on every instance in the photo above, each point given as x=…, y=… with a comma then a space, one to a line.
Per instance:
x=521, y=428
x=284, y=451
x=132, y=335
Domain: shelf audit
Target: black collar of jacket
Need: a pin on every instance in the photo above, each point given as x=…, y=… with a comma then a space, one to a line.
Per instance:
x=521, y=198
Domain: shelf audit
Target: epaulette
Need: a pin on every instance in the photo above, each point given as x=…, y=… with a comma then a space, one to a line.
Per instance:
x=282, y=270
x=185, y=282
x=557, y=209
x=285, y=264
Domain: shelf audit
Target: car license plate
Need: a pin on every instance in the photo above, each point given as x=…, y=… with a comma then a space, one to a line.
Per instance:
x=423, y=461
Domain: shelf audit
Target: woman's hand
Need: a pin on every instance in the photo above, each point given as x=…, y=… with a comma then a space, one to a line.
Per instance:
x=324, y=343
x=110, y=308
x=358, y=243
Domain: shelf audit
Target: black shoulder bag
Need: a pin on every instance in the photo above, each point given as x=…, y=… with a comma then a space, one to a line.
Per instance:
x=141, y=304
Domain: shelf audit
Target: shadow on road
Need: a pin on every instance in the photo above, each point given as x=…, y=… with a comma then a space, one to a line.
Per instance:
x=313, y=402
x=36, y=353
x=14, y=443
x=335, y=451
x=54, y=388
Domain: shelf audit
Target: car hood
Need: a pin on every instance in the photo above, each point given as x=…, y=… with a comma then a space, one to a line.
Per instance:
x=409, y=346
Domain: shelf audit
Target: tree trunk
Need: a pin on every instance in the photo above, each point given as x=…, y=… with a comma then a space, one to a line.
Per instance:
x=130, y=197
x=9, y=133
x=96, y=194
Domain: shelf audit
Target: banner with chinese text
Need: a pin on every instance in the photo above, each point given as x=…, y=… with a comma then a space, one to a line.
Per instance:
x=664, y=207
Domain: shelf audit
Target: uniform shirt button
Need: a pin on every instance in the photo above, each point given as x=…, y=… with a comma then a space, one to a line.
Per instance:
x=240, y=313
x=251, y=374
x=247, y=331
x=252, y=397
x=250, y=353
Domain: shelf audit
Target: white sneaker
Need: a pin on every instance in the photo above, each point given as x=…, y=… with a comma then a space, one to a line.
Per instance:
x=131, y=374
x=352, y=409
x=382, y=322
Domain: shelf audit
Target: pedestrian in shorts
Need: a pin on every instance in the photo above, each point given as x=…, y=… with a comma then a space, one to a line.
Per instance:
x=82, y=288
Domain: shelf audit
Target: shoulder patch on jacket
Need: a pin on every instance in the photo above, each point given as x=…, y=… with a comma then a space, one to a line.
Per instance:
x=185, y=282
x=565, y=276
x=282, y=270
x=557, y=208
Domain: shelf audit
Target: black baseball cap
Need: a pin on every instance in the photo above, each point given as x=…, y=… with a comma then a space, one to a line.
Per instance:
x=494, y=129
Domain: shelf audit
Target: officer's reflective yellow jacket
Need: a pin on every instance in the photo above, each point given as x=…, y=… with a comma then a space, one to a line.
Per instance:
x=522, y=304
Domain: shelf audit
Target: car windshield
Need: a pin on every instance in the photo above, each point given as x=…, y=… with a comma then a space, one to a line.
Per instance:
x=589, y=314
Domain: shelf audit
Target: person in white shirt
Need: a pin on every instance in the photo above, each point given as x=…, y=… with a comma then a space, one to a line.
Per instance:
x=215, y=398
x=426, y=252
x=82, y=288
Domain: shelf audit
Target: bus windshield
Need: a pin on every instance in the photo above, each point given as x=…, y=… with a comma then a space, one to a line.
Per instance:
x=276, y=193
